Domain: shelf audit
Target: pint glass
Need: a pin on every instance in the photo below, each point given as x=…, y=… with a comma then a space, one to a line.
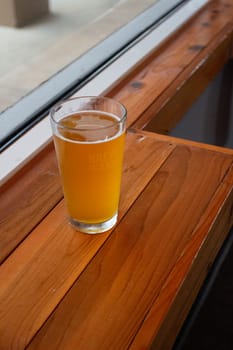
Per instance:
x=89, y=135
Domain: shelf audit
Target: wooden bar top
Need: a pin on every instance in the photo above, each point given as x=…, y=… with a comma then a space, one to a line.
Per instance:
x=131, y=287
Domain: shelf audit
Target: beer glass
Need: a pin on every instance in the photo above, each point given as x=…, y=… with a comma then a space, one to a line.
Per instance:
x=89, y=135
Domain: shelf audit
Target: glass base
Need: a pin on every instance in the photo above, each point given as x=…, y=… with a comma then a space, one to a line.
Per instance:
x=93, y=228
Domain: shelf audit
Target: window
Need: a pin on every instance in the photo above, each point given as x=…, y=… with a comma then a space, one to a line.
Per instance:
x=37, y=51
x=91, y=73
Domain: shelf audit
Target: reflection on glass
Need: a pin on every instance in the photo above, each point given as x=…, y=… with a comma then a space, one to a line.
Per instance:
x=33, y=53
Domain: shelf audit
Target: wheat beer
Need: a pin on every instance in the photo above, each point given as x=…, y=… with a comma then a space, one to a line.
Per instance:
x=89, y=146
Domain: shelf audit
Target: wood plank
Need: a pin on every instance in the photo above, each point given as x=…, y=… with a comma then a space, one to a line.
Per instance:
x=180, y=141
x=27, y=198
x=189, y=86
x=165, y=85
x=167, y=314
x=105, y=307
x=37, y=275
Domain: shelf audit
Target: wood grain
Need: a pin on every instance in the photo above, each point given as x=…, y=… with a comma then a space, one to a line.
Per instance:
x=41, y=270
x=170, y=309
x=166, y=84
x=180, y=141
x=105, y=307
x=27, y=198
x=189, y=86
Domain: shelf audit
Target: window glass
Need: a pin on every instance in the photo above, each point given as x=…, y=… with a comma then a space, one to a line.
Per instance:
x=47, y=58
x=34, y=52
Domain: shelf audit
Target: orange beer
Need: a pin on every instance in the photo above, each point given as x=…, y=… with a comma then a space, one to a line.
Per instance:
x=89, y=147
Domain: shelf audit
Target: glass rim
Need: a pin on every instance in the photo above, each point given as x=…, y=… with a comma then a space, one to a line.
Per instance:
x=66, y=101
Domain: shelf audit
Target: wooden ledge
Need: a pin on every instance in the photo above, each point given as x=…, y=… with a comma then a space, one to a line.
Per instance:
x=164, y=86
x=134, y=284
